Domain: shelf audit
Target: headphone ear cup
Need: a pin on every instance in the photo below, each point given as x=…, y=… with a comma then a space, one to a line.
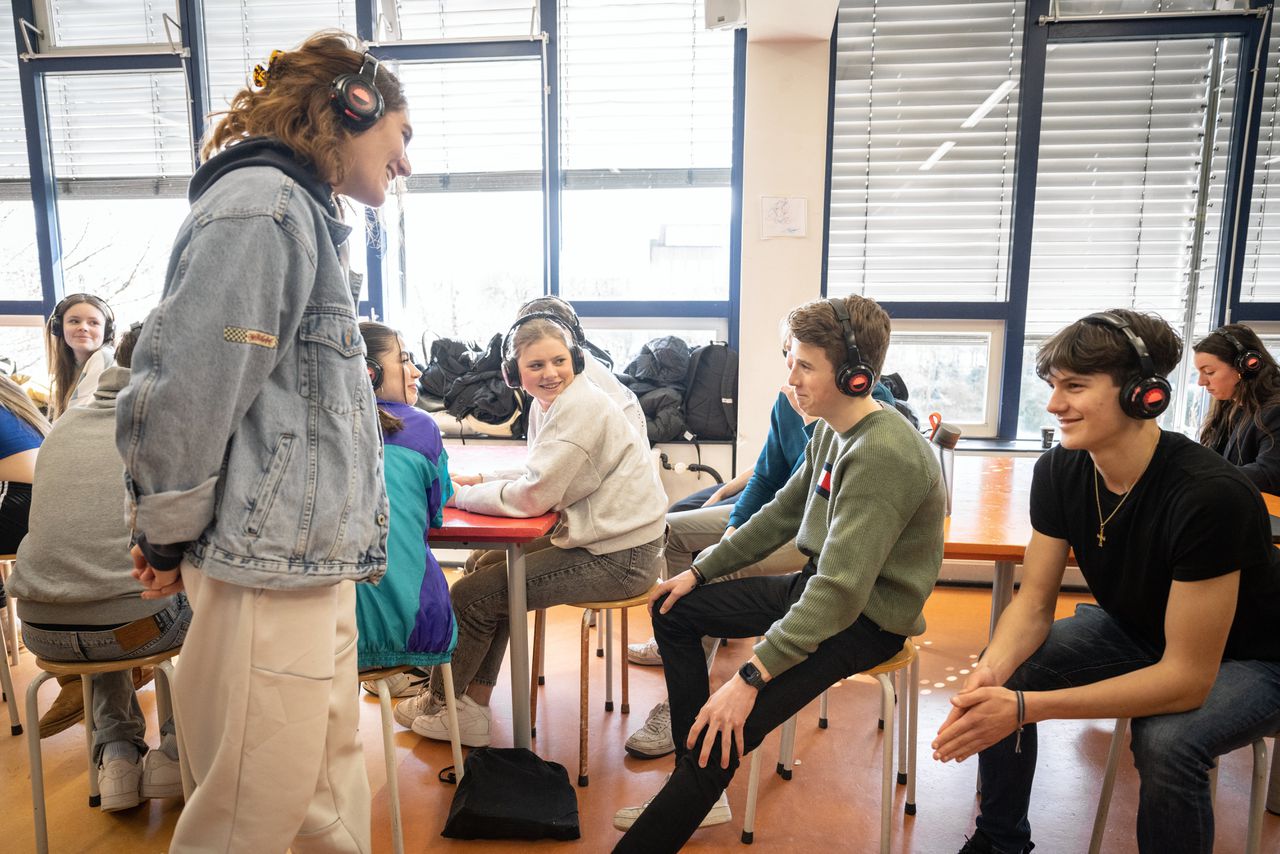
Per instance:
x=1146, y=397
x=375, y=372
x=1249, y=363
x=511, y=373
x=579, y=359
x=854, y=381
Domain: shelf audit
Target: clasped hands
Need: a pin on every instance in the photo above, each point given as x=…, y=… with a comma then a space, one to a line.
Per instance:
x=982, y=713
x=159, y=583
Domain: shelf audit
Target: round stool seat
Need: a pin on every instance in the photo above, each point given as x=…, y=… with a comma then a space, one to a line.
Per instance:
x=904, y=658
x=9, y=558
x=77, y=668
x=633, y=602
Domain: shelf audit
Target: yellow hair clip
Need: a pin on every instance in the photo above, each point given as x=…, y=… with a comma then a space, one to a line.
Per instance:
x=262, y=74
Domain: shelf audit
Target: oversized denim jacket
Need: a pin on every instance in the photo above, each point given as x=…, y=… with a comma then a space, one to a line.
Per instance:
x=248, y=428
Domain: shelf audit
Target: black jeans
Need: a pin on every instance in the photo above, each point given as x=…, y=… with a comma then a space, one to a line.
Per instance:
x=737, y=609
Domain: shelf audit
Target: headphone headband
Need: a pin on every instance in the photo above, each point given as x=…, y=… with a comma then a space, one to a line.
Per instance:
x=72, y=300
x=1148, y=394
x=855, y=377
x=511, y=367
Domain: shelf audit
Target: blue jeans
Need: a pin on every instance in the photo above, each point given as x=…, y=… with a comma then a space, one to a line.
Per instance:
x=1173, y=753
x=116, y=713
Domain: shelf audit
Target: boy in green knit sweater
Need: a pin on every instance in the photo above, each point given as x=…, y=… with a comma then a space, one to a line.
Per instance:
x=866, y=507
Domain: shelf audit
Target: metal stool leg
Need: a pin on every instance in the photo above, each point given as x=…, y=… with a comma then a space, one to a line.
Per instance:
x=451, y=715
x=389, y=758
x=886, y=772
x=86, y=685
x=898, y=680
x=622, y=650
x=607, y=631
x=1257, y=798
x=582, y=697
x=6, y=680
x=913, y=720
x=787, y=753
x=753, y=790
x=822, y=710
x=539, y=639
x=37, y=767
x=12, y=629
x=1108, y=784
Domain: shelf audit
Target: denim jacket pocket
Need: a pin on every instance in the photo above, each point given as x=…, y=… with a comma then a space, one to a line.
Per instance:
x=329, y=373
x=265, y=495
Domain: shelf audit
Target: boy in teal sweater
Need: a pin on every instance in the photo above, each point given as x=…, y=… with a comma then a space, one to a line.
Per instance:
x=866, y=507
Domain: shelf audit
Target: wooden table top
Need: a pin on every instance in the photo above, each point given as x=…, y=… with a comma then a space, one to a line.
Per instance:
x=990, y=514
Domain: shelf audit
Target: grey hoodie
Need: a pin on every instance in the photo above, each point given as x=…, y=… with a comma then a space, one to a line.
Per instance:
x=73, y=565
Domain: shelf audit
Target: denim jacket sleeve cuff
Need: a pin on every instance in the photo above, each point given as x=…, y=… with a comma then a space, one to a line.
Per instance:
x=162, y=557
x=176, y=517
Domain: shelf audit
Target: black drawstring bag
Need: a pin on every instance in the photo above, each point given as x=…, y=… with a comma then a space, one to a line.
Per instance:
x=511, y=793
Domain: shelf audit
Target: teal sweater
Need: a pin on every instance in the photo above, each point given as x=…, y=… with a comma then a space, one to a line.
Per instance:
x=867, y=506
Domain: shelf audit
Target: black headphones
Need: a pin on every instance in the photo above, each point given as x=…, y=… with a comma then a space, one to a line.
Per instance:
x=1148, y=394
x=855, y=377
x=1247, y=362
x=356, y=99
x=511, y=367
x=109, y=330
x=375, y=372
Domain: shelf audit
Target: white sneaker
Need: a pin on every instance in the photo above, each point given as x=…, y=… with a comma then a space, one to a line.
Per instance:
x=718, y=814
x=653, y=740
x=474, y=723
x=118, y=782
x=408, y=710
x=161, y=776
x=400, y=685
x=644, y=653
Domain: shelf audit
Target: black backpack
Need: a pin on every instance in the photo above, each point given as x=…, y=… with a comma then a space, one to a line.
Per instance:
x=711, y=395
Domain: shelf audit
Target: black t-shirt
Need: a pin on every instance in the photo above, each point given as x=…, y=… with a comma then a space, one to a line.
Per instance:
x=1191, y=516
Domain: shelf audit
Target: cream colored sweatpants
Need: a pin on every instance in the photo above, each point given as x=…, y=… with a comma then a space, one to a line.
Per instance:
x=267, y=708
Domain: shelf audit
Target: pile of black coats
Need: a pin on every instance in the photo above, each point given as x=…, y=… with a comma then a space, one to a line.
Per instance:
x=658, y=376
x=468, y=380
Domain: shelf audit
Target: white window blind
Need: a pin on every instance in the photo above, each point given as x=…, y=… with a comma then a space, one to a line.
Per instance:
x=1120, y=151
x=464, y=19
x=926, y=102
x=1261, y=279
x=13, y=136
x=107, y=127
x=81, y=23
x=239, y=35
x=644, y=86
x=476, y=125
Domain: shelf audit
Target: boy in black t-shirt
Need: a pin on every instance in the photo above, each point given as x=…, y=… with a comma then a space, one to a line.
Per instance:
x=1175, y=545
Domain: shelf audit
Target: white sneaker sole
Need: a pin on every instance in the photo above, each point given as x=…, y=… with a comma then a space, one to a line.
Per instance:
x=719, y=814
x=465, y=739
x=161, y=790
x=121, y=801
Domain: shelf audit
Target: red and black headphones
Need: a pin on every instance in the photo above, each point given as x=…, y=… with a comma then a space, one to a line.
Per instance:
x=356, y=99
x=854, y=377
x=375, y=372
x=1247, y=361
x=109, y=326
x=1148, y=394
x=511, y=366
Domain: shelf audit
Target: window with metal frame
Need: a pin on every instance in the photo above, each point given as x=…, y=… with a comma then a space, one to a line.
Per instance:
x=924, y=125
x=645, y=132
x=17, y=219
x=1261, y=280
x=81, y=24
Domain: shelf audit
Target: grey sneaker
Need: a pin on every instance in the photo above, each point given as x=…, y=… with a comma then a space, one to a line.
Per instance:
x=644, y=653
x=419, y=704
x=718, y=814
x=653, y=740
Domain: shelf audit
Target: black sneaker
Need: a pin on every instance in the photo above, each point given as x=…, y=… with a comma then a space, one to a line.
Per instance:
x=979, y=843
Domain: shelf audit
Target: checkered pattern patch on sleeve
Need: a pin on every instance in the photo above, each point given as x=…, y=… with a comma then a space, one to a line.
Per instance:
x=240, y=335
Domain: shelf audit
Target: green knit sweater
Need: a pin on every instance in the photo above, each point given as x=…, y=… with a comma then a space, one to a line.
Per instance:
x=867, y=506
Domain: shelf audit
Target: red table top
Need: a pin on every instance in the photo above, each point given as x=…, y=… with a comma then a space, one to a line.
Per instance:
x=463, y=527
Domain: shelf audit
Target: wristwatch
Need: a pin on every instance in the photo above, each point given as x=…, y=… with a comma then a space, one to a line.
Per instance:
x=751, y=675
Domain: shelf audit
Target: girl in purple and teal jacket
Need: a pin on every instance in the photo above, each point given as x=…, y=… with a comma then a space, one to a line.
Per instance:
x=407, y=617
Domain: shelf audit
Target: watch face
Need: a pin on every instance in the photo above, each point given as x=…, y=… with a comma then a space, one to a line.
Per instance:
x=751, y=675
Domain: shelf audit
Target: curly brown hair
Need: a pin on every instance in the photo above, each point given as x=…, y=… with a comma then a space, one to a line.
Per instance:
x=294, y=107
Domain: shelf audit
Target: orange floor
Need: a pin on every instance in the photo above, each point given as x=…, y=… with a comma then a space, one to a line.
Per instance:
x=831, y=803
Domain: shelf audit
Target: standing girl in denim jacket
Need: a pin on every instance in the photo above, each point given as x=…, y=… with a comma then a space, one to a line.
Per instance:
x=254, y=458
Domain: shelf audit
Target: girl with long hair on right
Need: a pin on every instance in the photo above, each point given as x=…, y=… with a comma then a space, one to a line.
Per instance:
x=80, y=345
x=1243, y=423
